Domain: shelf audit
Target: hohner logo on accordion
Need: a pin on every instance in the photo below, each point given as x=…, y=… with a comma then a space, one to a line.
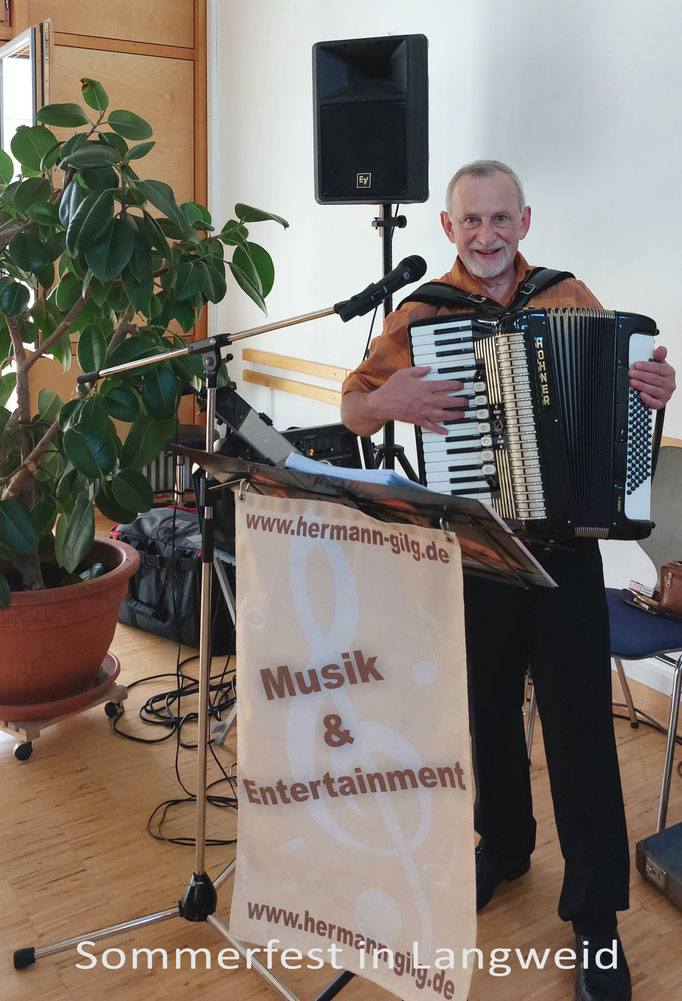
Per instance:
x=554, y=438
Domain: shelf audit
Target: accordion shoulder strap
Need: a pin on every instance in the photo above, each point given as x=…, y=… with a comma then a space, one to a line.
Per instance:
x=443, y=294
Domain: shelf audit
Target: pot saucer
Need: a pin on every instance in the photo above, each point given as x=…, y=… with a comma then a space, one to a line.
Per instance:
x=107, y=673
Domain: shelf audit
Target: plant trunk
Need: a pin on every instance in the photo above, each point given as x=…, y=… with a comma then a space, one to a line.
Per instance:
x=29, y=568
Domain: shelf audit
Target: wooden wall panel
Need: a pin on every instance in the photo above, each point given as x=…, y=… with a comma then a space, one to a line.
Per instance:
x=161, y=90
x=170, y=22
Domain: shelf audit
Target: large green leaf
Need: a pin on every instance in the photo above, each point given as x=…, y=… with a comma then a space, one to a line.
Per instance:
x=137, y=152
x=94, y=94
x=111, y=509
x=33, y=189
x=247, y=213
x=132, y=490
x=218, y=285
x=150, y=229
x=247, y=286
x=185, y=315
x=72, y=195
x=49, y=404
x=92, y=349
x=129, y=125
x=44, y=213
x=74, y=535
x=160, y=392
x=27, y=252
x=5, y=594
x=109, y=255
x=131, y=349
x=261, y=261
x=43, y=515
x=92, y=154
x=161, y=195
x=233, y=233
x=122, y=402
x=92, y=452
x=139, y=292
x=68, y=292
x=187, y=280
x=61, y=350
x=30, y=143
x=69, y=414
x=146, y=440
x=6, y=167
x=100, y=178
x=14, y=299
x=141, y=260
x=90, y=221
x=68, y=116
x=8, y=384
x=17, y=531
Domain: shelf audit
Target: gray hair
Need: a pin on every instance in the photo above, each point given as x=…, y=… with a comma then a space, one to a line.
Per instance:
x=484, y=168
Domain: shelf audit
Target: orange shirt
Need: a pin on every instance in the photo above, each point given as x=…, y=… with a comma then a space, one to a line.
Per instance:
x=390, y=351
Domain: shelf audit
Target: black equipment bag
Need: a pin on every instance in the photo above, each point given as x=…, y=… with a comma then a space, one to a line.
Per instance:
x=659, y=859
x=164, y=596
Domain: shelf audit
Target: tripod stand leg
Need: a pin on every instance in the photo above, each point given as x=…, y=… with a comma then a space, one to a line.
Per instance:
x=26, y=957
x=253, y=961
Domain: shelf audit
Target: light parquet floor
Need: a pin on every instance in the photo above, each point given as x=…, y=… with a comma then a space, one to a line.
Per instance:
x=75, y=855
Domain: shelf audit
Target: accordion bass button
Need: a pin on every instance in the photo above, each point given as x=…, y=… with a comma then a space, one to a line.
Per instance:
x=486, y=441
x=483, y=428
x=482, y=415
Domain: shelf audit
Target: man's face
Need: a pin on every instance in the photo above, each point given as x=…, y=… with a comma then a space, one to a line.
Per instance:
x=485, y=224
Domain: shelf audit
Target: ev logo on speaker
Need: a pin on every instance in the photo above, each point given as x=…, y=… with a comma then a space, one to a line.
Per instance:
x=363, y=181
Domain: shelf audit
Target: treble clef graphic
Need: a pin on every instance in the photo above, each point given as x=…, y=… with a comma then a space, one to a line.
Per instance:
x=372, y=738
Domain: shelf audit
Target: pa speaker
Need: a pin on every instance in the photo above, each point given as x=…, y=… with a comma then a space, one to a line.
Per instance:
x=371, y=120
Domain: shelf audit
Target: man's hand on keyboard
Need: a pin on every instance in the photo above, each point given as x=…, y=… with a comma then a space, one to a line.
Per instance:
x=408, y=396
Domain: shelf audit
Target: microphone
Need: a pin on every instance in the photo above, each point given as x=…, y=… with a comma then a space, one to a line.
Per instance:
x=411, y=269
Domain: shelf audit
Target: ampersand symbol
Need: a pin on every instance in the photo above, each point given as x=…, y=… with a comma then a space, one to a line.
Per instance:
x=334, y=736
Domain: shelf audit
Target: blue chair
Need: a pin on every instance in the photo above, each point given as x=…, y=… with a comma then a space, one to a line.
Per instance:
x=635, y=634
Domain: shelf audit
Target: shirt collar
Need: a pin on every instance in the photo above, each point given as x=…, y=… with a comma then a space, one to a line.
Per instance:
x=463, y=279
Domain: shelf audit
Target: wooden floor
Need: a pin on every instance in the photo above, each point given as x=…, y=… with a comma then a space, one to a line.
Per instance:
x=75, y=855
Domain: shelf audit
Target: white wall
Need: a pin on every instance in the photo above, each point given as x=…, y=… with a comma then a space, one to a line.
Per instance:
x=581, y=98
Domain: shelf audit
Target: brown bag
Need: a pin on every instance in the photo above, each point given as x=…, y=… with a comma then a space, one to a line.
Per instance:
x=670, y=589
x=667, y=600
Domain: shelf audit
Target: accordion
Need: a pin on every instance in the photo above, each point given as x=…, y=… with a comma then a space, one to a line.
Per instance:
x=553, y=439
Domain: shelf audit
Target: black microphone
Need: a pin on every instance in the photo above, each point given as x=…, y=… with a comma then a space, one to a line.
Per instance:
x=411, y=269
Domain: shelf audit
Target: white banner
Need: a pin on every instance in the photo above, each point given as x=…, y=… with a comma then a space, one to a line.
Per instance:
x=355, y=783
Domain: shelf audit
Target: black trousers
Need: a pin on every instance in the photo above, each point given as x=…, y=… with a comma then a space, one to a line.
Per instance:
x=563, y=634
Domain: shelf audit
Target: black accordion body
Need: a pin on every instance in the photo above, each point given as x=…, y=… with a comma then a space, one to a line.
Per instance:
x=554, y=438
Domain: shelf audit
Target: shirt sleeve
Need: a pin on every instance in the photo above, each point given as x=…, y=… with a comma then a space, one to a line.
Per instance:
x=388, y=352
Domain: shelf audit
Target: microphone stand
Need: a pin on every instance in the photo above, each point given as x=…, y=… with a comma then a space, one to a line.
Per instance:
x=199, y=900
x=387, y=453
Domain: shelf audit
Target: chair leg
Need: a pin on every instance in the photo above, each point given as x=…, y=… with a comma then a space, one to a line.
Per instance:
x=627, y=694
x=670, y=745
x=531, y=712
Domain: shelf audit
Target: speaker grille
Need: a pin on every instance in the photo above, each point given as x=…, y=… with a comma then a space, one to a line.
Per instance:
x=364, y=149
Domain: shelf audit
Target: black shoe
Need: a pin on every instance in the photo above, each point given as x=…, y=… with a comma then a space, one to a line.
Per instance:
x=491, y=869
x=595, y=984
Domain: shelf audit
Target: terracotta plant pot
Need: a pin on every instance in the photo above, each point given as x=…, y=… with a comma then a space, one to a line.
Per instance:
x=52, y=642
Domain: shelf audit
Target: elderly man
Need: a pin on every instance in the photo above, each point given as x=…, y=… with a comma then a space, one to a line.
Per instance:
x=562, y=633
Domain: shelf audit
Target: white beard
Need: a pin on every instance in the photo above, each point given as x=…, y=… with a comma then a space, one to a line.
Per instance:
x=482, y=268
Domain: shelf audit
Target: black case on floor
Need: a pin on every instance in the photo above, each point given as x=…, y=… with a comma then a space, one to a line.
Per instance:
x=659, y=859
x=164, y=595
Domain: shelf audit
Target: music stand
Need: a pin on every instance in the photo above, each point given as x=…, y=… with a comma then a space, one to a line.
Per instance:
x=499, y=555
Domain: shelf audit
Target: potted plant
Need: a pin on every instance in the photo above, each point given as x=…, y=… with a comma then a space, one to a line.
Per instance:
x=90, y=248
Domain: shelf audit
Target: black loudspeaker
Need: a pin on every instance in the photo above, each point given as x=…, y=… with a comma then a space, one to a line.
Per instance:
x=371, y=120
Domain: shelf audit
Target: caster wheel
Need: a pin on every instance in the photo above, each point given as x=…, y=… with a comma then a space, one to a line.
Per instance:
x=113, y=709
x=22, y=752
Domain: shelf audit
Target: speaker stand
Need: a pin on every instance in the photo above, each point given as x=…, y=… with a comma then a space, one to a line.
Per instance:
x=388, y=452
